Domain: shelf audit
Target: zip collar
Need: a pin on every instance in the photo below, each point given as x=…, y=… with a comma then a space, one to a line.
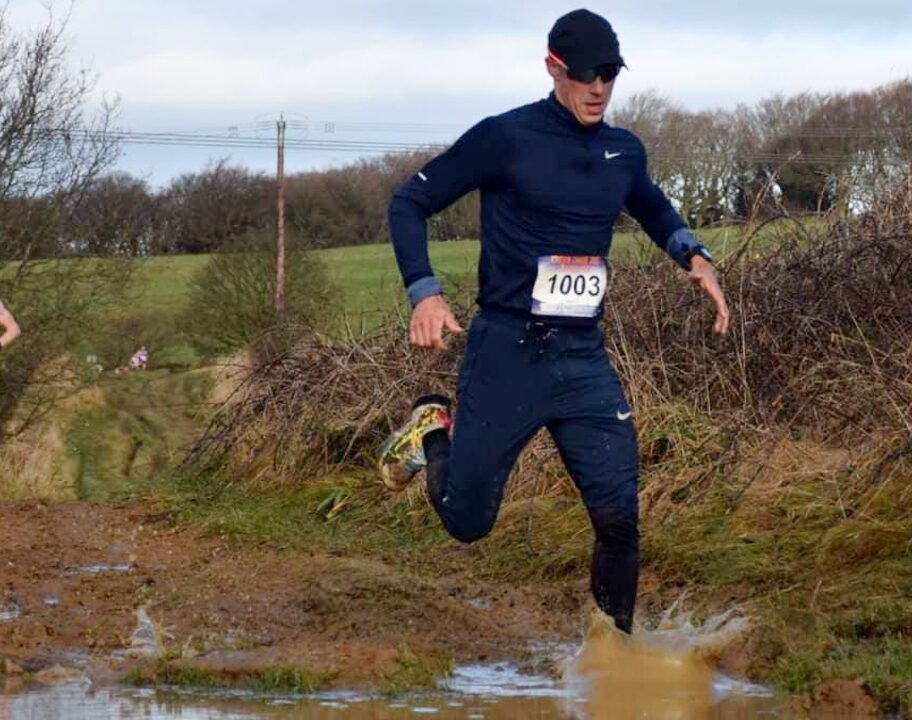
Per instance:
x=566, y=118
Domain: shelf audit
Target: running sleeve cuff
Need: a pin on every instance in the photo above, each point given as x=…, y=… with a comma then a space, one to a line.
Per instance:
x=679, y=246
x=422, y=288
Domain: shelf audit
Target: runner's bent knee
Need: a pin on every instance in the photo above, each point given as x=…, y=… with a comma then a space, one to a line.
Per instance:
x=615, y=524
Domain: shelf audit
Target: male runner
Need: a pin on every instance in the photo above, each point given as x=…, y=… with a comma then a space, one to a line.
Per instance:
x=553, y=179
x=10, y=327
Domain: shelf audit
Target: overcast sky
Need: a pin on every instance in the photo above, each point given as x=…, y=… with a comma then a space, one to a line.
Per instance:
x=202, y=64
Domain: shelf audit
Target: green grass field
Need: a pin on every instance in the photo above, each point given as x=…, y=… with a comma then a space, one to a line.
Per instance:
x=369, y=286
x=365, y=289
x=366, y=277
x=163, y=282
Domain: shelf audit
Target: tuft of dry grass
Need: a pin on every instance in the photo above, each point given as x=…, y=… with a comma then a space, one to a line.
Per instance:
x=33, y=460
x=30, y=465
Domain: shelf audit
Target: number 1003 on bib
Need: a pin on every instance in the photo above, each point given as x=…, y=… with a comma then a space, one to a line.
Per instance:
x=569, y=285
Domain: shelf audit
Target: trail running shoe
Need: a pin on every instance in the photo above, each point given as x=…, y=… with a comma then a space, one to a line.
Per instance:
x=402, y=455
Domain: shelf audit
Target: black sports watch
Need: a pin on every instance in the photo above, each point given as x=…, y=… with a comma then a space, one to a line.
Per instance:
x=697, y=250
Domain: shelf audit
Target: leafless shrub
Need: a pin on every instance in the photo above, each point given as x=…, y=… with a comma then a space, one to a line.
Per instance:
x=821, y=343
x=232, y=298
x=822, y=332
x=52, y=148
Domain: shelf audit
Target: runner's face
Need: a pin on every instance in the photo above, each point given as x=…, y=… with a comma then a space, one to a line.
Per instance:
x=587, y=101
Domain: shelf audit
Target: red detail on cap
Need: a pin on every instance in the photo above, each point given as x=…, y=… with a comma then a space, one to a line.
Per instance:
x=555, y=58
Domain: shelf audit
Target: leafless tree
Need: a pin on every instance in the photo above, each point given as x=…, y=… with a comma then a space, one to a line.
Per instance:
x=207, y=211
x=115, y=216
x=347, y=206
x=51, y=150
x=691, y=155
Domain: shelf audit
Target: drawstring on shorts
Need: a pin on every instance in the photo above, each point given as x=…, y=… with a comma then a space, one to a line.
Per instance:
x=538, y=333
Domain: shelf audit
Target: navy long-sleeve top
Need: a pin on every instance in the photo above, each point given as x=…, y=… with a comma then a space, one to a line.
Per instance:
x=549, y=186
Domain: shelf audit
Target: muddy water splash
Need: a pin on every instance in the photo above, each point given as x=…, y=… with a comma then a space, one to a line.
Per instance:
x=622, y=678
x=661, y=674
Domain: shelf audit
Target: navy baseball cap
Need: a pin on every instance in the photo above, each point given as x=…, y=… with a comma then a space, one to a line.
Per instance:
x=582, y=40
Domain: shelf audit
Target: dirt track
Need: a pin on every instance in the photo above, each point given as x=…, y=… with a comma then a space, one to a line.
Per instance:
x=78, y=571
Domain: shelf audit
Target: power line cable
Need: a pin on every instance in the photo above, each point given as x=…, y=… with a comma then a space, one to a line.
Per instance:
x=201, y=139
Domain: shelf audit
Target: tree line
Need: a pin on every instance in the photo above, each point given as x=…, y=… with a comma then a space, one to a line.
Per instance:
x=805, y=153
x=811, y=152
x=801, y=154
x=117, y=214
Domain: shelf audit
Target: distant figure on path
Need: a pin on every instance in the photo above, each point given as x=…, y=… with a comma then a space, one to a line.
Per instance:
x=554, y=177
x=139, y=359
x=10, y=327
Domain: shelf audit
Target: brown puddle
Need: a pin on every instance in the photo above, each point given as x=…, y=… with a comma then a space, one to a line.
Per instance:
x=655, y=675
x=609, y=678
x=614, y=676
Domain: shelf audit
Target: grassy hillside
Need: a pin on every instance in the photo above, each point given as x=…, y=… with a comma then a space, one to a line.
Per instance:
x=366, y=280
x=119, y=430
x=162, y=283
x=369, y=285
x=140, y=422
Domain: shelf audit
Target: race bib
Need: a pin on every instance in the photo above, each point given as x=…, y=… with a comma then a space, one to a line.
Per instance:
x=569, y=285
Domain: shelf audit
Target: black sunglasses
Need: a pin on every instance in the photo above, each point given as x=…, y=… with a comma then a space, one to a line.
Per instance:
x=606, y=72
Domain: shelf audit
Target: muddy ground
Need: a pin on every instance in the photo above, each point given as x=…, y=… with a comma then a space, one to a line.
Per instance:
x=72, y=576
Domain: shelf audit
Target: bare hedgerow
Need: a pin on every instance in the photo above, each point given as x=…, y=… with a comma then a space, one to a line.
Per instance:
x=821, y=336
x=821, y=341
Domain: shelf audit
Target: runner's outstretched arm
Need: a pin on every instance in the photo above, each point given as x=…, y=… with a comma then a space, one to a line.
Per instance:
x=704, y=277
x=10, y=327
x=649, y=206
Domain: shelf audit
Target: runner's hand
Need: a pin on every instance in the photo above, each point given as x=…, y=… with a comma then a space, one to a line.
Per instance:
x=429, y=318
x=704, y=277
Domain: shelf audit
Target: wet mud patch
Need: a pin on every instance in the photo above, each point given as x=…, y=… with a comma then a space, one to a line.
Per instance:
x=241, y=615
x=119, y=592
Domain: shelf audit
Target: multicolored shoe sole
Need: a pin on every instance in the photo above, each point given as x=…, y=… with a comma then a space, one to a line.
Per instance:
x=402, y=455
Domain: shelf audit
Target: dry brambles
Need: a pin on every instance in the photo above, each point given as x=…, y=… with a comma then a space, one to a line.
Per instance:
x=821, y=343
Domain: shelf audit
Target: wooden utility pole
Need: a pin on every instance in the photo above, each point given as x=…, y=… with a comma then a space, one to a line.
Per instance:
x=280, y=218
